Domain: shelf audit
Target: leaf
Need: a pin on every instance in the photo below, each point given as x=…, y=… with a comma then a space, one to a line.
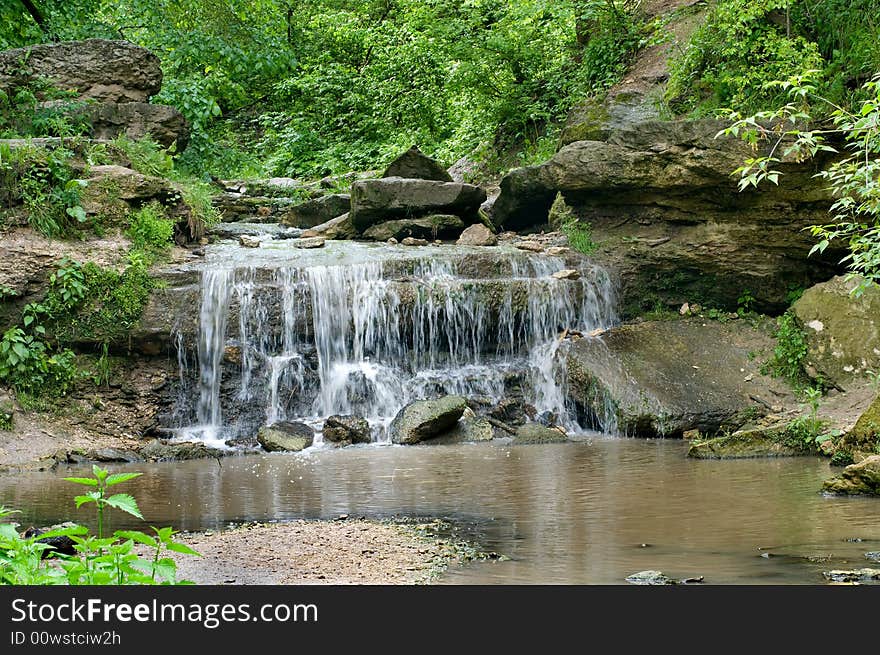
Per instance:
x=91, y=482
x=182, y=548
x=78, y=213
x=89, y=498
x=118, y=478
x=126, y=503
x=138, y=536
x=99, y=473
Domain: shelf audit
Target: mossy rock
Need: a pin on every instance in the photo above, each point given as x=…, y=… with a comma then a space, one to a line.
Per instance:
x=424, y=419
x=286, y=436
x=757, y=442
x=866, y=432
x=535, y=433
x=862, y=478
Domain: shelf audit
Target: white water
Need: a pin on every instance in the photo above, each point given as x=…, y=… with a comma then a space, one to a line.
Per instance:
x=365, y=330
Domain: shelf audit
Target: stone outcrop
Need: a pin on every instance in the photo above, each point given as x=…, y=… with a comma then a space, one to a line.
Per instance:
x=112, y=82
x=436, y=226
x=667, y=215
x=415, y=164
x=843, y=331
x=535, y=433
x=425, y=419
x=768, y=441
x=377, y=201
x=666, y=377
x=97, y=69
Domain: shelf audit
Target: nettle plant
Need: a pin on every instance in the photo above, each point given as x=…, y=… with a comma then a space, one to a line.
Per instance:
x=854, y=177
x=126, y=557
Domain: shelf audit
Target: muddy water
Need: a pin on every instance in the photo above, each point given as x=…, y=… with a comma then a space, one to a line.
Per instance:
x=570, y=513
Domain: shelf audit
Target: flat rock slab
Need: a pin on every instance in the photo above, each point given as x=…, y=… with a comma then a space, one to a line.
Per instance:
x=665, y=377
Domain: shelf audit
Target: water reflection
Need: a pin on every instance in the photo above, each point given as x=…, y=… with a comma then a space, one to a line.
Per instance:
x=570, y=513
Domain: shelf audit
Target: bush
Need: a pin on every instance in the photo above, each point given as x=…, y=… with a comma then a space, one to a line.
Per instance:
x=790, y=352
x=150, y=229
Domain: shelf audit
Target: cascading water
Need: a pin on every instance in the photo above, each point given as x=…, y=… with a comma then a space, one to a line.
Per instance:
x=365, y=329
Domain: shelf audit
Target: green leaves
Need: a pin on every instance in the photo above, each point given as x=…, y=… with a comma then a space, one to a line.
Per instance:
x=124, y=502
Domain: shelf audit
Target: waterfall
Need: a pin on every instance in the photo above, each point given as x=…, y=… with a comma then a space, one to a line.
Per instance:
x=305, y=338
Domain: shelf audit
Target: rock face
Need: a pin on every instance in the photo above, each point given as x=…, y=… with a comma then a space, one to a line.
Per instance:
x=346, y=430
x=666, y=377
x=424, y=419
x=106, y=71
x=286, y=436
x=415, y=164
x=668, y=217
x=111, y=189
x=376, y=201
x=843, y=331
x=166, y=125
x=860, y=478
x=477, y=235
x=865, y=434
x=535, y=433
x=437, y=226
x=318, y=211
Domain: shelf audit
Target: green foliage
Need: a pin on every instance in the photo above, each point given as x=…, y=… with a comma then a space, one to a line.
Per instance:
x=99, y=560
x=44, y=182
x=790, y=352
x=745, y=303
x=842, y=457
x=37, y=109
x=580, y=236
x=853, y=178
x=146, y=156
x=805, y=433
x=733, y=54
x=150, y=229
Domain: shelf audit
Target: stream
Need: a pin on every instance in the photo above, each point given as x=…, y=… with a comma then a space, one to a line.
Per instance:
x=573, y=513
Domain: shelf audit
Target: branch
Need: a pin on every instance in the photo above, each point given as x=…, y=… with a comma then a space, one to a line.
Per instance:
x=35, y=13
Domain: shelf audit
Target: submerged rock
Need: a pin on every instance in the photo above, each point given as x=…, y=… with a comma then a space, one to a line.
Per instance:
x=859, y=478
x=770, y=441
x=477, y=235
x=346, y=430
x=424, y=419
x=650, y=578
x=852, y=575
x=308, y=242
x=415, y=164
x=286, y=436
x=659, y=378
x=248, y=241
x=535, y=433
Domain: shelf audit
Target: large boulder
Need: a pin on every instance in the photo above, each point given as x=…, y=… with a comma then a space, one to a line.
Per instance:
x=864, y=437
x=415, y=164
x=376, y=201
x=843, y=330
x=111, y=190
x=665, y=210
x=346, y=430
x=336, y=228
x=98, y=69
x=286, y=436
x=436, y=226
x=423, y=419
x=318, y=211
x=769, y=441
x=469, y=429
x=666, y=377
x=860, y=478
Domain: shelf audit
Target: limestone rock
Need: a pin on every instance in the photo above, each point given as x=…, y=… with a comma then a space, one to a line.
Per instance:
x=308, y=242
x=860, y=478
x=248, y=241
x=112, y=187
x=650, y=578
x=424, y=419
x=415, y=164
x=376, y=201
x=477, y=235
x=666, y=377
x=567, y=274
x=166, y=125
x=161, y=450
x=468, y=429
x=286, y=436
x=317, y=212
x=535, y=433
x=843, y=331
x=531, y=246
x=852, y=575
x=757, y=442
x=410, y=241
x=99, y=69
x=346, y=430
x=427, y=227
x=865, y=434
x=336, y=228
